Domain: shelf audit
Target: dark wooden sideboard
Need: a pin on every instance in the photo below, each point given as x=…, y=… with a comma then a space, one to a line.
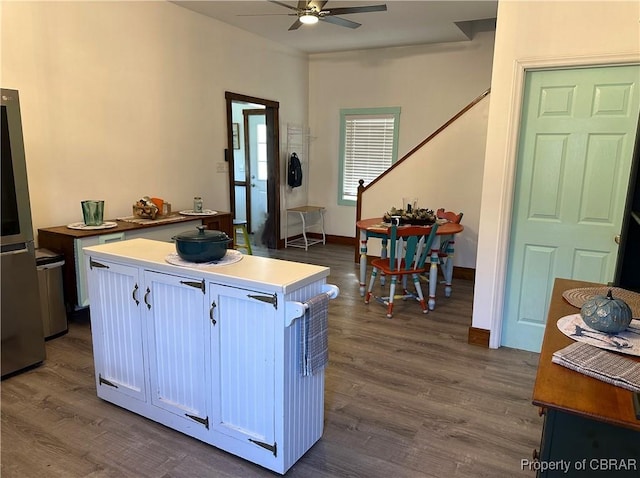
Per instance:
x=65, y=241
x=590, y=427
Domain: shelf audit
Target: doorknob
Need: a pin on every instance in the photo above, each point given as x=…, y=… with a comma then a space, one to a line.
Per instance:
x=617, y=239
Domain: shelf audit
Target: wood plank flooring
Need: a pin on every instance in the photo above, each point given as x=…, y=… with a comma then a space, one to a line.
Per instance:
x=405, y=397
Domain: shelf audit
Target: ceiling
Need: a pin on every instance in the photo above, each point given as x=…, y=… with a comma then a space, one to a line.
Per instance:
x=404, y=23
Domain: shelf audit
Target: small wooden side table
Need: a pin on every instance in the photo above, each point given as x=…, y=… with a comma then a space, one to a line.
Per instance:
x=304, y=241
x=590, y=428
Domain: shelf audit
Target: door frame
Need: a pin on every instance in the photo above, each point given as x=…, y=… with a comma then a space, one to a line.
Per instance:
x=496, y=306
x=271, y=234
x=247, y=162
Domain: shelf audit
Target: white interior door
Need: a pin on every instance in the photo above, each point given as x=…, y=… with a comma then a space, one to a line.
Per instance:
x=257, y=150
x=577, y=134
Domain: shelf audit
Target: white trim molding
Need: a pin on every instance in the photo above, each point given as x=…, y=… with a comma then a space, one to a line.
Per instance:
x=509, y=167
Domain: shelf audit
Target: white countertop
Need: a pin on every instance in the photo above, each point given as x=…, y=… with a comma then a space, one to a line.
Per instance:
x=262, y=272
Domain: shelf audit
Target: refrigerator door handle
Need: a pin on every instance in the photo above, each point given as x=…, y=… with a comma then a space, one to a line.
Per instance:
x=15, y=249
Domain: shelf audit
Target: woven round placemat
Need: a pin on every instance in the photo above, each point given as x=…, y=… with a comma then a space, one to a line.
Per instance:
x=577, y=297
x=230, y=257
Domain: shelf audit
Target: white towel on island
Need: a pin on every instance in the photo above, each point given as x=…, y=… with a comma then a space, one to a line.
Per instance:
x=314, y=335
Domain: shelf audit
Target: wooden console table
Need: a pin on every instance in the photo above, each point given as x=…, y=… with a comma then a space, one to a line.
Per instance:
x=590, y=428
x=69, y=242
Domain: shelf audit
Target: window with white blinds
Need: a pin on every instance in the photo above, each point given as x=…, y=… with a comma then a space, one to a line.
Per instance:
x=369, y=145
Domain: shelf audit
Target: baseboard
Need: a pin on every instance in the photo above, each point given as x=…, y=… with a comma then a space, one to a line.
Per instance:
x=342, y=240
x=465, y=273
x=478, y=337
x=329, y=239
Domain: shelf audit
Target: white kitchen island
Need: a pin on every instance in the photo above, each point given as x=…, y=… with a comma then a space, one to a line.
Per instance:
x=212, y=352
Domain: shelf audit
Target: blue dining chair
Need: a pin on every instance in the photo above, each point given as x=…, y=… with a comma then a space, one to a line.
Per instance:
x=409, y=249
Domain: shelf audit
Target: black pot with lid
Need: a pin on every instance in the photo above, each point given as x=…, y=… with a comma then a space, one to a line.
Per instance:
x=201, y=244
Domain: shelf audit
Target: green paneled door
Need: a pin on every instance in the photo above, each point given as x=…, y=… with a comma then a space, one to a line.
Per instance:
x=574, y=158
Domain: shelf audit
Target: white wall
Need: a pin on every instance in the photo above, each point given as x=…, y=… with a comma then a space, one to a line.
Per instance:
x=452, y=163
x=430, y=83
x=535, y=33
x=125, y=99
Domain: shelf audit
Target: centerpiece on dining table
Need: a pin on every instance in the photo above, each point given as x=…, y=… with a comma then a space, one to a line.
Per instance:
x=414, y=216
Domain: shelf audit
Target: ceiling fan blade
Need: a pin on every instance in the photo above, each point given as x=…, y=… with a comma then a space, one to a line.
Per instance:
x=297, y=24
x=284, y=5
x=302, y=4
x=340, y=21
x=267, y=15
x=347, y=10
x=318, y=4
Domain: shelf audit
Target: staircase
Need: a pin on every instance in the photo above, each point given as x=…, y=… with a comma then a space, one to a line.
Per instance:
x=445, y=170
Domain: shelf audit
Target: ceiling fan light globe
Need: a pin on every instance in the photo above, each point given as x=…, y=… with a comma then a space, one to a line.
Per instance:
x=308, y=19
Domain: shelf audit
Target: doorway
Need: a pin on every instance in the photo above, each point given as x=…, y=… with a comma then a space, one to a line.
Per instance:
x=255, y=189
x=254, y=170
x=574, y=157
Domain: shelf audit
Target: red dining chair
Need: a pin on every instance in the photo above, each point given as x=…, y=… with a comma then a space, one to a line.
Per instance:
x=409, y=249
x=446, y=248
x=449, y=216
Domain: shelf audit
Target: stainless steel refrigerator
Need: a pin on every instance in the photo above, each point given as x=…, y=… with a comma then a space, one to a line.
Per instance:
x=22, y=331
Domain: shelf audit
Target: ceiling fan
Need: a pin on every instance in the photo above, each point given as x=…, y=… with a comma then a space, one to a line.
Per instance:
x=309, y=12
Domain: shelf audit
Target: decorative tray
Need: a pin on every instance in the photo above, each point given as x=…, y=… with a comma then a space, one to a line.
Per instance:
x=83, y=227
x=577, y=297
x=416, y=217
x=230, y=257
x=626, y=342
x=205, y=212
x=412, y=221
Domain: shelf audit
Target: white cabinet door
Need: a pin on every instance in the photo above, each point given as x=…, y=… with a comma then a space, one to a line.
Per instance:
x=243, y=344
x=178, y=331
x=81, y=279
x=117, y=328
x=158, y=233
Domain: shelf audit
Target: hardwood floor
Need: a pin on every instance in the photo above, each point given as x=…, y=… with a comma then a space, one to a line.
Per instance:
x=405, y=397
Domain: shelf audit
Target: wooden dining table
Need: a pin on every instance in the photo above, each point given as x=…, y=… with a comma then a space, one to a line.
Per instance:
x=377, y=228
